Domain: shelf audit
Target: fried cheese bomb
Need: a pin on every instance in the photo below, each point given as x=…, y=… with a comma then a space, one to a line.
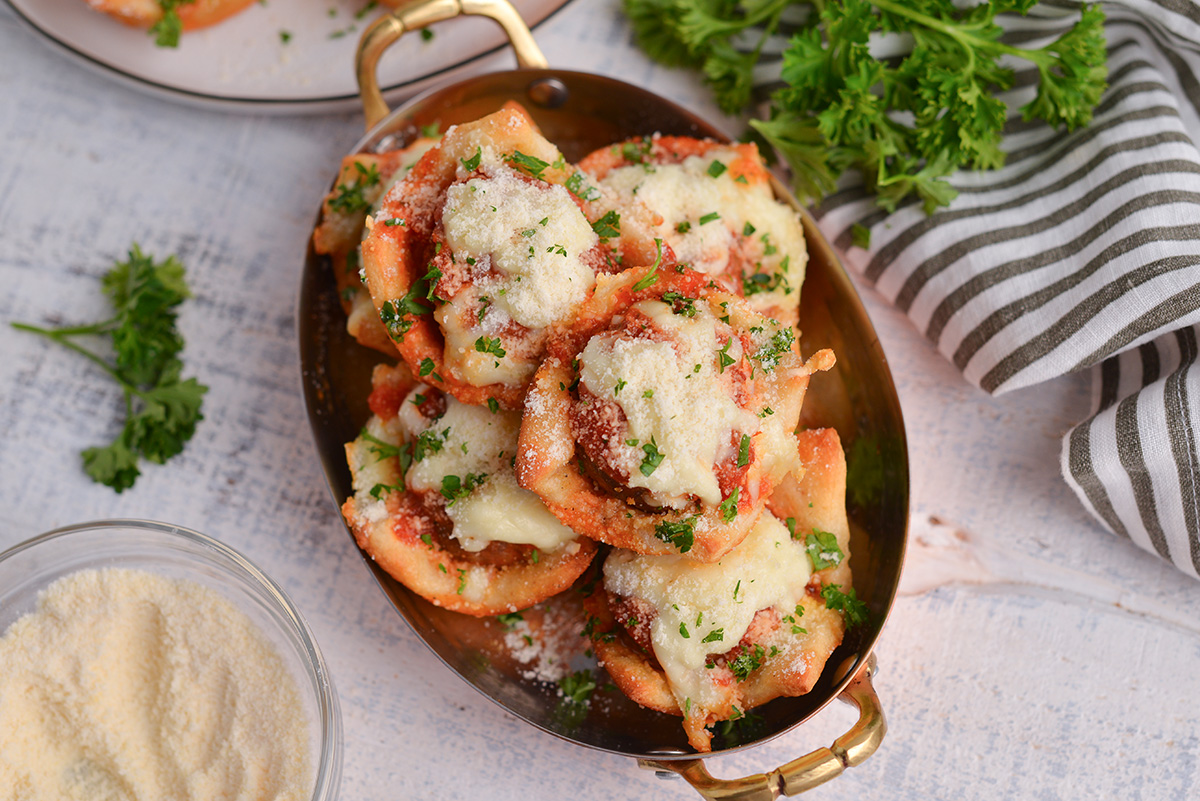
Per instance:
x=437, y=505
x=193, y=14
x=712, y=206
x=710, y=642
x=662, y=418
x=362, y=182
x=476, y=252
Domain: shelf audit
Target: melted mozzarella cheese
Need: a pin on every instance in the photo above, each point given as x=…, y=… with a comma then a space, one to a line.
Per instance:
x=475, y=441
x=532, y=234
x=671, y=394
x=686, y=193
x=462, y=328
x=467, y=439
x=502, y=510
x=767, y=570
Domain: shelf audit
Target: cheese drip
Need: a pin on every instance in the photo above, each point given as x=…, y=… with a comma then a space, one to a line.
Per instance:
x=673, y=395
x=767, y=570
x=472, y=441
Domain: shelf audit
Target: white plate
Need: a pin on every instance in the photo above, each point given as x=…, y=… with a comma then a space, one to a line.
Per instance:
x=243, y=63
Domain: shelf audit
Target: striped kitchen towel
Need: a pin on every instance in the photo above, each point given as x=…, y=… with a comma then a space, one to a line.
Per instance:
x=1081, y=253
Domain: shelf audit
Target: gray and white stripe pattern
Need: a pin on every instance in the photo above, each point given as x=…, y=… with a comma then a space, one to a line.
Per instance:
x=1081, y=253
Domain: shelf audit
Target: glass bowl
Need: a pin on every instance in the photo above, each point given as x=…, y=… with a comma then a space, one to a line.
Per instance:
x=179, y=553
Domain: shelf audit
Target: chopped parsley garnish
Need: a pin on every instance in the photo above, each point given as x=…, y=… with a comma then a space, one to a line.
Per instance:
x=853, y=610
x=427, y=539
x=493, y=405
x=589, y=631
x=510, y=619
x=748, y=229
x=430, y=131
x=683, y=227
x=723, y=358
x=636, y=152
x=729, y=506
x=608, y=226
x=285, y=37
x=393, y=222
x=711, y=216
x=577, y=686
x=683, y=631
x=747, y=662
x=426, y=35
x=796, y=627
x=427, y=442
x=580, y=188
x=648, y=393
x=791, y=526
x=620, y=385
x=823, y=550
x=471, y=164
x=651, y=278
x=486, y=344
x=161, y=408
x=716, y=169
x=680, y=533
x=680, y=303
x=530, y=165
x=350, y=197
x=383, y=450
x=716, y=635
x=744, y=451
x=394, y=314
x=529, y=232
x=455, y=488
x=556, y=248
x=167, y=29
x=380, y=489
x=652, y=459
x=768, y=355
x=462, y=580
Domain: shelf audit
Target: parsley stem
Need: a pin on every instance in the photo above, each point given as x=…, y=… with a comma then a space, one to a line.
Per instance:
x=58, y=336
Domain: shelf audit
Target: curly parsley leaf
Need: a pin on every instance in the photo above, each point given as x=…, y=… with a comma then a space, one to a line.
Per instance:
x=905, y=122
x=161, y=408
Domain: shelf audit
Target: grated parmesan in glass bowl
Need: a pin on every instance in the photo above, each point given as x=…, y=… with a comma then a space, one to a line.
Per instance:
x=144, y=660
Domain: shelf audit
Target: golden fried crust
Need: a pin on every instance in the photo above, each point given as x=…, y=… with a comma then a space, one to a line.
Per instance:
x=396, y=258
x=340, y=231
x=458, y=584
x=407, y=533
x=546, y=454
x=817, y=499
x=801, y=655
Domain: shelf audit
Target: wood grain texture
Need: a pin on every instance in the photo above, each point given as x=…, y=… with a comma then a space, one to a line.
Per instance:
x=1032, y=685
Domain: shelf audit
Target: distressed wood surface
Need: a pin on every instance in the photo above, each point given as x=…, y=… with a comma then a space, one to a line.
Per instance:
x=1032, y=655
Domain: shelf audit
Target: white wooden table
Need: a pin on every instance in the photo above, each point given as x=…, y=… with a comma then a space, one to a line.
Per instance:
x=1031, y=655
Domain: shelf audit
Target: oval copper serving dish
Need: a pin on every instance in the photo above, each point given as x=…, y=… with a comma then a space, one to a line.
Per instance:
x=580, y=112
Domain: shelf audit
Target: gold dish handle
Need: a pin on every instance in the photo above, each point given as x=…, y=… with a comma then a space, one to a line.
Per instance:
x=800, y=774
x=412, y=16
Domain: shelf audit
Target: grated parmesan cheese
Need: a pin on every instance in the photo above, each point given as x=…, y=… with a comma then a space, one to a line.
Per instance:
x=128, y=685
x=687, y=412
x=500, y=218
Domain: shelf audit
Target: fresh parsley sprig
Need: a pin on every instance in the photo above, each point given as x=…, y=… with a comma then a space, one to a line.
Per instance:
x=906, y=122
x=161, y=408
